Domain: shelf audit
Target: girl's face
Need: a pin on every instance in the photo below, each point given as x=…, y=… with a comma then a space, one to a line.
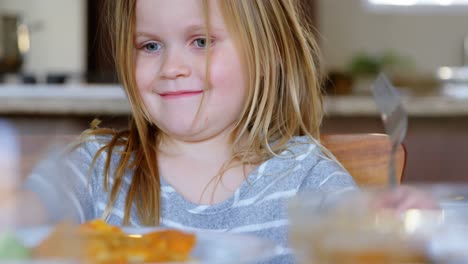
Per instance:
x=170, y=44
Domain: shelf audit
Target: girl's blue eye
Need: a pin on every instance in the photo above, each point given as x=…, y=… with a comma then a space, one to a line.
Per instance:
x=200, y=42
x=152, y=47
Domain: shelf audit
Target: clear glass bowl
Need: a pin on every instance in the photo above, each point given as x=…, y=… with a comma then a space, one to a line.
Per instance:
x=349, y=228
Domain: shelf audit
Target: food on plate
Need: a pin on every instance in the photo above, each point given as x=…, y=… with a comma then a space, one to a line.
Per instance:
x=99, y=242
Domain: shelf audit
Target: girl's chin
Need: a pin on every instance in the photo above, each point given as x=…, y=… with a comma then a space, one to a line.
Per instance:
x=185, y=134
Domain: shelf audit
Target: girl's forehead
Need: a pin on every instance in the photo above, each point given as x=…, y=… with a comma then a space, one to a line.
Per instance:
x=167, y=10
x=173, y=13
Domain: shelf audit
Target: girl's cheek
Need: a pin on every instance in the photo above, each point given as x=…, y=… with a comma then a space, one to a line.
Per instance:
x=145, y=74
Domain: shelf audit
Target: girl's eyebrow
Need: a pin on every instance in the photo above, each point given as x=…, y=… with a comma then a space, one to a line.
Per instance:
x=145, y=34
x=202, y=28
x=189, y=30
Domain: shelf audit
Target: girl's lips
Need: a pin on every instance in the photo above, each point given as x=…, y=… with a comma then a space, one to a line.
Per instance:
x=179, y=94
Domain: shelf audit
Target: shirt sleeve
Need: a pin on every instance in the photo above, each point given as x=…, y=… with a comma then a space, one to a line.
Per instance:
x=329, y=176
x=64, y=186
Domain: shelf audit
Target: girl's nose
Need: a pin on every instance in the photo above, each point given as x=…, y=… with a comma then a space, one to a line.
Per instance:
x=174, y=66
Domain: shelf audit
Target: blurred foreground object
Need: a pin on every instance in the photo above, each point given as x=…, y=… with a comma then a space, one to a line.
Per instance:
x=9, y=176
x=348, y=228
x=9, y=158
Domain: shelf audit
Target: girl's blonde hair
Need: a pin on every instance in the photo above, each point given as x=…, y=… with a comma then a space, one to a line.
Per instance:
x=284, y=99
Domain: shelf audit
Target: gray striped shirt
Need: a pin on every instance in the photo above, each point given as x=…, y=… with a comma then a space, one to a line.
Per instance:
x=257, y=206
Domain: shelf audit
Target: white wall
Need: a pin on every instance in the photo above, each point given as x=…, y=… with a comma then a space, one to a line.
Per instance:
x=431, y=40
x=60, y=44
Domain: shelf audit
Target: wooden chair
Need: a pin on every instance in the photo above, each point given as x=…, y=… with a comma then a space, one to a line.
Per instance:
x=366, y=156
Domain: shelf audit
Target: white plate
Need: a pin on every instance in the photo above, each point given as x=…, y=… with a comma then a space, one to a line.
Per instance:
x=211, y=247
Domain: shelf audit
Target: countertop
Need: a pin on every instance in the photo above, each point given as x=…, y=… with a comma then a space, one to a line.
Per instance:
x=63, y=100
x=111, y=100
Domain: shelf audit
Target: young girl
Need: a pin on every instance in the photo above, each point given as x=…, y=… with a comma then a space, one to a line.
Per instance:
x=227, y=107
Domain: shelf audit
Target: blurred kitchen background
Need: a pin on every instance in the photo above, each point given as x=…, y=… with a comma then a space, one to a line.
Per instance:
x=56, y=74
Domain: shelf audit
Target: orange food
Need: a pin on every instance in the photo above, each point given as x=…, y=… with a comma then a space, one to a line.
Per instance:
x=102, y=243
x=99, y=226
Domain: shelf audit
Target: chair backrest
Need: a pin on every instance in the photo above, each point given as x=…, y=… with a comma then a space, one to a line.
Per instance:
x=366, y=156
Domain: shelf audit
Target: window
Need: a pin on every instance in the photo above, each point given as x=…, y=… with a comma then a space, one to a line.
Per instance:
x=417, y=6
x=418, y=2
